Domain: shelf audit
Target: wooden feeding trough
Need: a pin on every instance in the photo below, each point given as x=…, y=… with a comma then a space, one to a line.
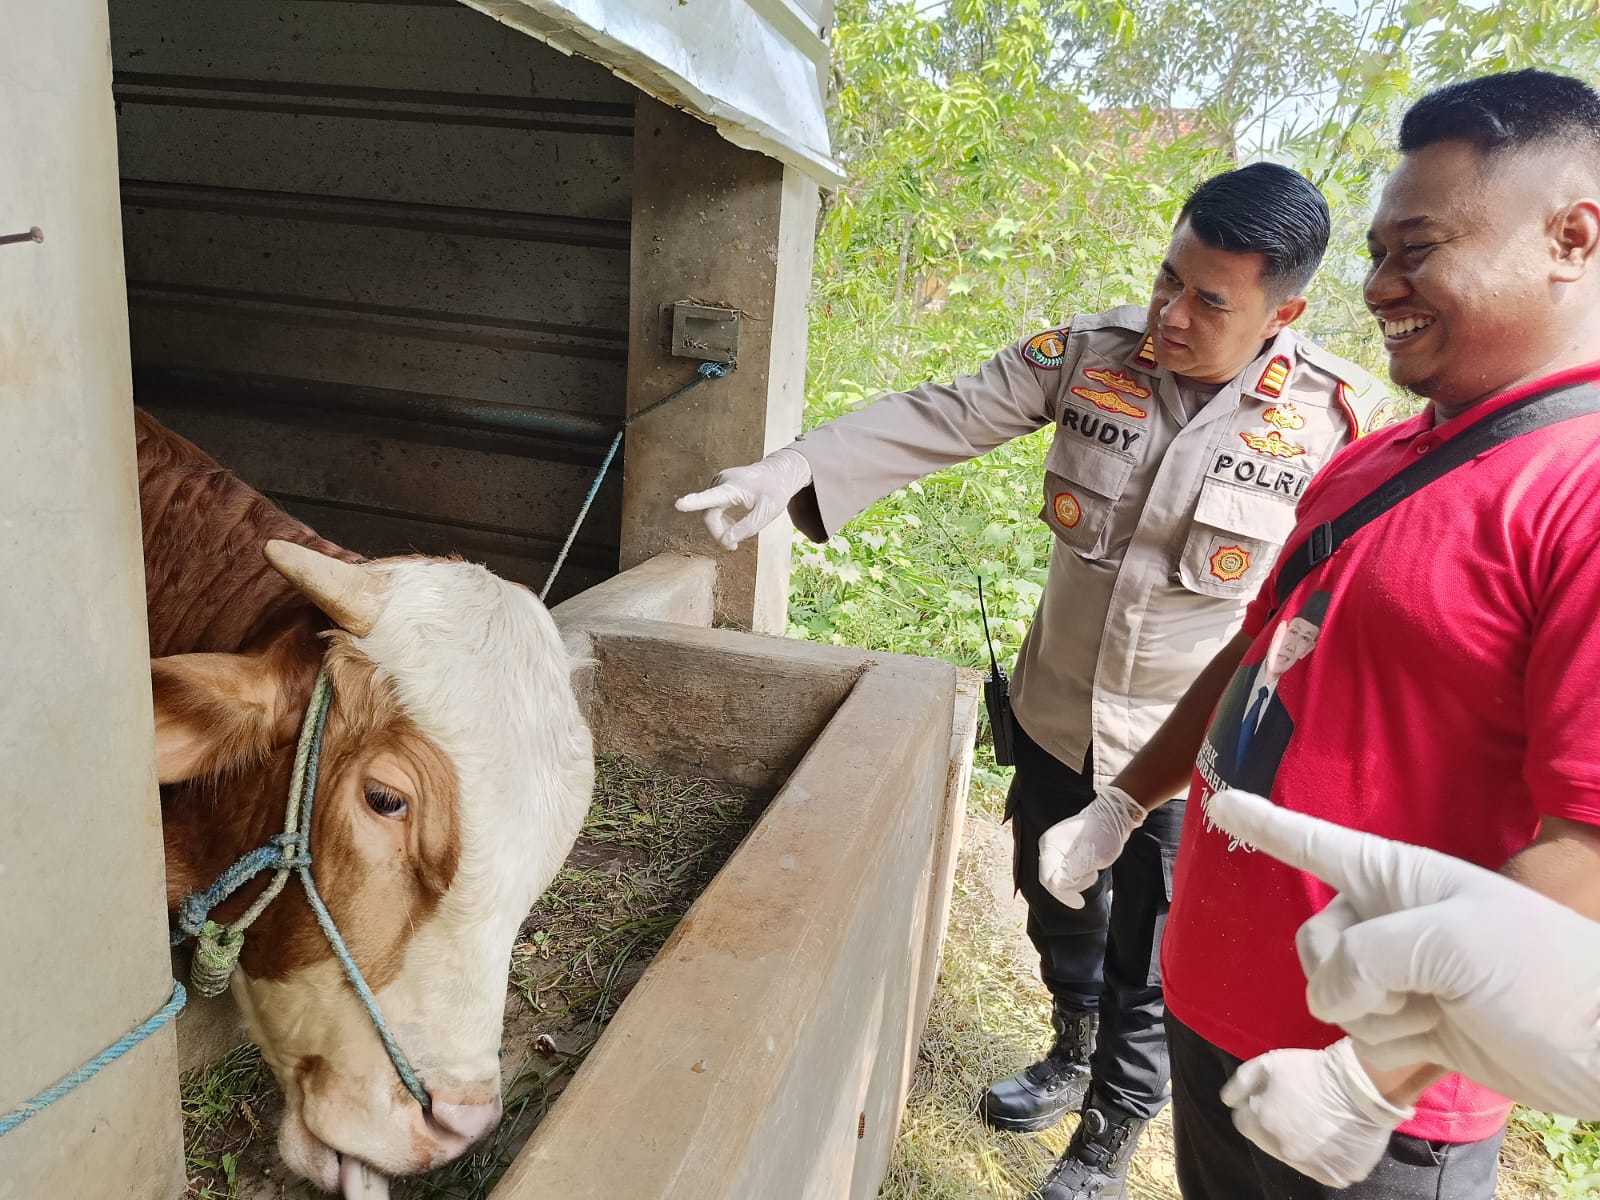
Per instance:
x=767, y=1047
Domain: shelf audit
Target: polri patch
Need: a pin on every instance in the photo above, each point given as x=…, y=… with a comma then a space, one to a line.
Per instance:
x=1046, y=350
x=1384, y=414
x=1067, y=509
x=1229, y=563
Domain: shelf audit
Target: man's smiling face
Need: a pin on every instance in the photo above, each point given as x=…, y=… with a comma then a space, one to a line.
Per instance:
x=1460, y=280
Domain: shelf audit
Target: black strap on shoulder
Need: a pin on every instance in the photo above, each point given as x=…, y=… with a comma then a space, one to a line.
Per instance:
x=1533, y=412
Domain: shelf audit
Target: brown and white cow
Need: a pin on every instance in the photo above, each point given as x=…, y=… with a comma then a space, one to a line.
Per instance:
x=455, y=773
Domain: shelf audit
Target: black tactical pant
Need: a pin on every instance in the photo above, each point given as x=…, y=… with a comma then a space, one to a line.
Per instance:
x=1217, y=1162
x=1104, y=956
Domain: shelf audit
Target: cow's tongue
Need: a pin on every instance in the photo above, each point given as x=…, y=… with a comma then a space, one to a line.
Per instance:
x=357, y=1181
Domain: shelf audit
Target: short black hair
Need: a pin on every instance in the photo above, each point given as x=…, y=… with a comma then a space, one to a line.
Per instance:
x=1507, y=111
x=1263, y=209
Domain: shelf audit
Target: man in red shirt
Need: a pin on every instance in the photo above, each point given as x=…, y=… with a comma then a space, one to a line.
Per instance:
x=1450, y=699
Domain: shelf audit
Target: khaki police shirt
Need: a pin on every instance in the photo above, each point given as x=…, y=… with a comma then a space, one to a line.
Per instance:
x=1164, y=524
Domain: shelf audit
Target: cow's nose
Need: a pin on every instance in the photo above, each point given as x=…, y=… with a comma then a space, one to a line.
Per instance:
x=466, y=1118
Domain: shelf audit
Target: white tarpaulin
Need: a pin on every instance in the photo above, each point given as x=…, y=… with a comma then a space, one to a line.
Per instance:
x=755, y=69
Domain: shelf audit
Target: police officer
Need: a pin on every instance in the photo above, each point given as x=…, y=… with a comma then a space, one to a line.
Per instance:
x=1184, y=434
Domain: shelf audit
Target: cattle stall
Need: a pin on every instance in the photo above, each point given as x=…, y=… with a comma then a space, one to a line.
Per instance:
x=408, y=267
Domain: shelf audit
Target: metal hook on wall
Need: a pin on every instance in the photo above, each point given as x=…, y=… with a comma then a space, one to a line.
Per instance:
x=33, y=235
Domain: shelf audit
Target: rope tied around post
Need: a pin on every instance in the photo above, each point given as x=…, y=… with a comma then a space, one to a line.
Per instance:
x=35, y=1105
x=706, y=370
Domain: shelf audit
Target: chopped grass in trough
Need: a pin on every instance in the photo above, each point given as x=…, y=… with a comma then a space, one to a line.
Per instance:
x=650, y=844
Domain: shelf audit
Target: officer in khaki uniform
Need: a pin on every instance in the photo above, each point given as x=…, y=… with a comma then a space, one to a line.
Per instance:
x=1183, y=437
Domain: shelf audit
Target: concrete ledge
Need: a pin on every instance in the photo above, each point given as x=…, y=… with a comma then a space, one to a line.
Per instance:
x=668, y=587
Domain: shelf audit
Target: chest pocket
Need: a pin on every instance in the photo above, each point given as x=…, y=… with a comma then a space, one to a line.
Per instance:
x=1233, y=541
x=1081, y=487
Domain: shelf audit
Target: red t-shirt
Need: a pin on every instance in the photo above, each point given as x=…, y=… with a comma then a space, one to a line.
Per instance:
x=1436, y=681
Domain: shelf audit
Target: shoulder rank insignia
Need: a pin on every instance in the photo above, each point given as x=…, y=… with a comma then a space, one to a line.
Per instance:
x=1045, y=350
x=1273, y=445
x=1284, y=416
x=1110, y=401
x=1274, y=377
x=1117, y=381
x=1229, y=563
x=1147, y=352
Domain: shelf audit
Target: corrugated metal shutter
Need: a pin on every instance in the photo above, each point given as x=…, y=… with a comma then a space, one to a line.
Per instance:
x=377, y=258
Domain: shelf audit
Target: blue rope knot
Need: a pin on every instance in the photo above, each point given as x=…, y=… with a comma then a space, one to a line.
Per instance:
x=294, y=849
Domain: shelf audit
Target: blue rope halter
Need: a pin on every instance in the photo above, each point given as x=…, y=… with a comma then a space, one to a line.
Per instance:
x=218, y=946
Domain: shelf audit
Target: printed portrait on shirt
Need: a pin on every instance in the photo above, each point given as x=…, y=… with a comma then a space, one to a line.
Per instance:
x=1252, y=725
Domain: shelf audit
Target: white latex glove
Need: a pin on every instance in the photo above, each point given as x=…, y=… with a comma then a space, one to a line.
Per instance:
x=761, y=490
x=1424, y=958
x=1073, y=852
x=1316, y=1110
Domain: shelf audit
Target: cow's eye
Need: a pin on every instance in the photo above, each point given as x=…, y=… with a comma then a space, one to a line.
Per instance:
x=386, y=802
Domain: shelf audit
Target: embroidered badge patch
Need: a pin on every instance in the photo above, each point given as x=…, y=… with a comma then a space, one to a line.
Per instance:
x=1229, y=563
x=1384, y=414
x=1147, y=352
x=1117, y=381
x=1110, y=401
x=1284, y=416
x=1274, y=377
x=1274, y=444
x=1067, y=509
x=1046, y=349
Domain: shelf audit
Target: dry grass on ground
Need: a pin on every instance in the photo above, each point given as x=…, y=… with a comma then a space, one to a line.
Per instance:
x=989, y=1016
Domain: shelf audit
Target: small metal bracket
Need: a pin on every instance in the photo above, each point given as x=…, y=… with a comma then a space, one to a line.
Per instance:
x=706, y=332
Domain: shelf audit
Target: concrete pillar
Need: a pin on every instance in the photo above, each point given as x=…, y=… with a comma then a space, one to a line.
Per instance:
x=721, y=226
x=83, y=954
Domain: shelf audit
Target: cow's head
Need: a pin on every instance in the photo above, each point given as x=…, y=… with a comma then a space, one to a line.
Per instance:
x=455, y=772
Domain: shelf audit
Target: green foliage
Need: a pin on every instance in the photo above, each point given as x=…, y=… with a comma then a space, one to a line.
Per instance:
x=1014, y=162
x=1574, y=1148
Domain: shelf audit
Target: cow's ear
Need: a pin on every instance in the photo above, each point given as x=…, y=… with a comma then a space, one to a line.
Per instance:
x=216, y=712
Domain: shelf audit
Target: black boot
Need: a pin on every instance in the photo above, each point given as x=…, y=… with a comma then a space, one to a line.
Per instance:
x=1038, y=1096
x=1095, y=1165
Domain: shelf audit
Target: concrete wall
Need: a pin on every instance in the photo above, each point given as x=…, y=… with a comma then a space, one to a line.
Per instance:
x=768, y=1049
x=83, y=955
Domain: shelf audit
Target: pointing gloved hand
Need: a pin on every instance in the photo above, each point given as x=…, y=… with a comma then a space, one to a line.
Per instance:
x=1424, y=958
x=1073, y=852
x=1316, y=1110
x=761, y=490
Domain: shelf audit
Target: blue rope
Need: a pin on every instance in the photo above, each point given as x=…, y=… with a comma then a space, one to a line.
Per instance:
x=292, y=850
x=706, y=370
x=331, y=932
x=284, y=850
x=37, y=1104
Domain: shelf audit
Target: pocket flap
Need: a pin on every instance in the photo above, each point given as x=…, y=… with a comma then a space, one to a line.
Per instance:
x=1102, y=473
x=1240, y=512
